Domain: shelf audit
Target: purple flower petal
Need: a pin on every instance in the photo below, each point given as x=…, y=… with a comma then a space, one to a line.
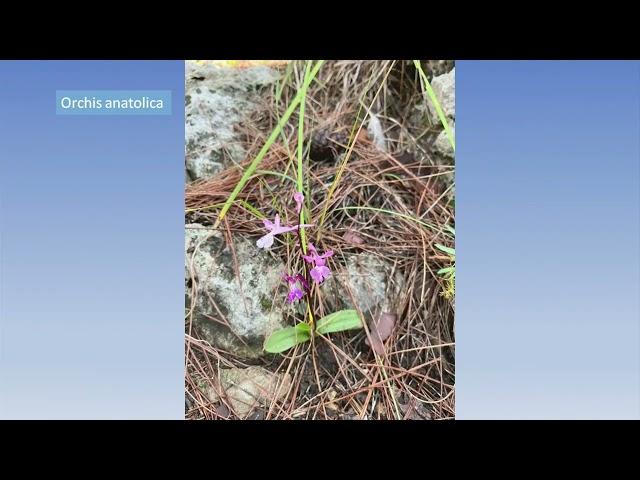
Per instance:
x=312, y=249
x=278, y=230
x=274, y=228
x=268, y=224
x=320, y=273
x=266, y=241
x=327, y=254
x=317, y=260
x=294, y=294
x=303, y=281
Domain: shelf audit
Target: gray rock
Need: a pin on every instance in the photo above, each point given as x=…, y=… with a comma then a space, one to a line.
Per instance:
x=424, y=113
x=251, y=308
x=433, y=68
x=370, y=280
x=444, y=86
x=442, y=146
x=216, y=100
x=246, y=388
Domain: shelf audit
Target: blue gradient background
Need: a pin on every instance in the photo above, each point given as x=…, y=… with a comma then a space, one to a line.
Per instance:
x=547, y=223
x=91, y=292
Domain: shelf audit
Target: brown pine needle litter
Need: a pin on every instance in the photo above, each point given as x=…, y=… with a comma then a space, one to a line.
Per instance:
x=395, y=204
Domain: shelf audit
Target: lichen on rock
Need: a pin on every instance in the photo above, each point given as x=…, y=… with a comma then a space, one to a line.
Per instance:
x=218, y=298
x=368, y=282
x=444, y=87
x=217, y=98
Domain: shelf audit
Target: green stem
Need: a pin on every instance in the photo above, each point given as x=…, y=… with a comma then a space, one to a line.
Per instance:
x=274, y=134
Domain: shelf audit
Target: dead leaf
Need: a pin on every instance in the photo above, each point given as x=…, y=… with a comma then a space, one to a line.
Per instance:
x=223, y=411
x=331, y=396
x=381, y=329
x=363, y=136
x=351, y=237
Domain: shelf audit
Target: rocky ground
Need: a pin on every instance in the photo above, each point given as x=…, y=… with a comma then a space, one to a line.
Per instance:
x=234, y=291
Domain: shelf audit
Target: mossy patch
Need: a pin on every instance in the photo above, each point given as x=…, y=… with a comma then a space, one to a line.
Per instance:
x=265, y=303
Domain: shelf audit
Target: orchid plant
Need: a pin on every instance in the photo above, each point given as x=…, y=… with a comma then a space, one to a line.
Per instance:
x=300, y=286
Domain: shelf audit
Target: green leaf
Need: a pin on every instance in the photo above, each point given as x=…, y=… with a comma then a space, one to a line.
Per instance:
x=450, y=251
x=339, y=321
x=284, y=339
x=450, y=228
x=442, y=271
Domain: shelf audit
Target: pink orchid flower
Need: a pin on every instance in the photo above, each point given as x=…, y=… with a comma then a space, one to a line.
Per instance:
x=274, y=229
x=296, y=293
x=320, y=272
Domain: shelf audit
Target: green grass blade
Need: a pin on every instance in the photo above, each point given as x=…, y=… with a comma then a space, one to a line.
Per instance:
x=253, y=210
x=265, y=148
x=303, y=236
x=303, y=92
x=250, y=208
x=436, y=104
x=280, y=85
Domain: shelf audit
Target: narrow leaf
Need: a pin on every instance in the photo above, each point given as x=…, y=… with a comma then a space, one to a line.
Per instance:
x=450, y=251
